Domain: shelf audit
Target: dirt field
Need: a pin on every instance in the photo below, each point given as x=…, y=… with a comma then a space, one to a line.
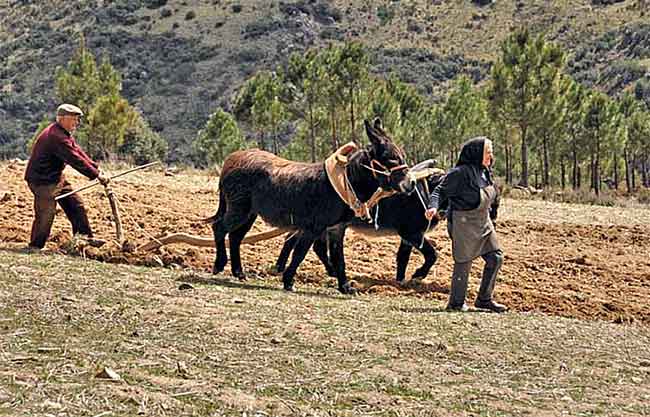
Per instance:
x=566, y=260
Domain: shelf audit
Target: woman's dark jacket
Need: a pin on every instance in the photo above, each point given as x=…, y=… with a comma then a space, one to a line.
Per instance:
x=460, y=188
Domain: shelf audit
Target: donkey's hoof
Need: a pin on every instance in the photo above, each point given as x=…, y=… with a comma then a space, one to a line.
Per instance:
x=219, y=265
x=419, y=274
x=239, y=274
x=289, y=288
x=348, y=289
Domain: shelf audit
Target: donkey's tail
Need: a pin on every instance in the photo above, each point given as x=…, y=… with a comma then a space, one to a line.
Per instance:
x=221, y=210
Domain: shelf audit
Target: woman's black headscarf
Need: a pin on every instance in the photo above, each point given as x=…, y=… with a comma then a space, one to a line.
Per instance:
x=472, y=152
x=471, y=155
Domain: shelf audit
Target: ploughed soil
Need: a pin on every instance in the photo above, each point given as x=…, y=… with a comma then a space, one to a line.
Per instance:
x=576, y=261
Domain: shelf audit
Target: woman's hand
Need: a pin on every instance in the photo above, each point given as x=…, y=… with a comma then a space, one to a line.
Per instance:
x=430, y=213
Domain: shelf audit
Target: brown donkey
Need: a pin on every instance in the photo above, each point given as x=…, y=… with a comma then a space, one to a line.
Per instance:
x=299, y=195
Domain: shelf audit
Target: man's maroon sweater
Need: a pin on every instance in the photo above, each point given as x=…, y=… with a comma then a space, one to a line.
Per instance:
x=52, y=150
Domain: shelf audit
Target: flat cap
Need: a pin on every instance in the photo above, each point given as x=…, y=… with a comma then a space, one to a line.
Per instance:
x=66, y=109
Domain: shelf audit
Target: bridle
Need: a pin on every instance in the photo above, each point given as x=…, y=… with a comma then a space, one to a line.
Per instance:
x=384, y=171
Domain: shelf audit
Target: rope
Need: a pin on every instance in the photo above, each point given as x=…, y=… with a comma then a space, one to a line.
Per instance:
x=377, y=217
x=386, y=173
x=417, y=191
x=358, y=203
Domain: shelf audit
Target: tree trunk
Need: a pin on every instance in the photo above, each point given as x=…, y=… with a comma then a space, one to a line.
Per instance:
x=644, y=171
x=545, y=171
x=633, y=174
x=260, y=141
x=592, y=174
x=575, y=180
x=523, y=181
x=597, y=168
x=352, y=121
x=562, y=172
x=579, y=176
x=511, y=164
x=276, y=144
x=312, y=129
x=628, y=180
x=615, y=171
x=507, y=156
x=335, y=141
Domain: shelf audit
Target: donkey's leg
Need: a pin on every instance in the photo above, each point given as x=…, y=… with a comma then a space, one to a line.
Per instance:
x=320, y=248
x=236, y=236
x=305, y=240
x=403, y=256
x=237, y=214
x=336, y=237
x=288, y=246
x=430, y=258
x=221, y=257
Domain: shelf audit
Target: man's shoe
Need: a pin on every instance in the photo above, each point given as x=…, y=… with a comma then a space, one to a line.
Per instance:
x=457, y=307
x=90, y=241
x=490, y=305
x=96, y=243
x=32, y=249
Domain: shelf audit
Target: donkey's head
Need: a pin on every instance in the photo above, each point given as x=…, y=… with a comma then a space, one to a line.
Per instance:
x=387, y=160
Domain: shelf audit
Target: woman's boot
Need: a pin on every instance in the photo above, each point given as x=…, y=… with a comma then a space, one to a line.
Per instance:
x=493, y=262
x=458, y=288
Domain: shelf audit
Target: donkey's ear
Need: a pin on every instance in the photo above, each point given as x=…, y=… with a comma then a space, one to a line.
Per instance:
x=377, y=123
x=375, y=139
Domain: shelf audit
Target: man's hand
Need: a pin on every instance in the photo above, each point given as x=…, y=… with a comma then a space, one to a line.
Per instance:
x=103, y=178
x=430, y=213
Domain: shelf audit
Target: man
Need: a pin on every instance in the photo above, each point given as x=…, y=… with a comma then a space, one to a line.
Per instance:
x=53, y=149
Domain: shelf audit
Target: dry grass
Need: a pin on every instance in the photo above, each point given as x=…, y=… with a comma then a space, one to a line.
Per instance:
x=548, y=212
x=230, y=348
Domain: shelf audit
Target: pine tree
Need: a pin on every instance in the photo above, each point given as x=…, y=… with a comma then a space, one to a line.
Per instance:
x=97, y=91
x=219, y=137
x=306, y=74
x=526, y=70
x=268, y=110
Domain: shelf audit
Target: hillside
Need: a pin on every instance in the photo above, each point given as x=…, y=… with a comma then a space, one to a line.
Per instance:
x=182, y=58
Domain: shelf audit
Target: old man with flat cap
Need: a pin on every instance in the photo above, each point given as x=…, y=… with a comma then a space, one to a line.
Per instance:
x=55, y=148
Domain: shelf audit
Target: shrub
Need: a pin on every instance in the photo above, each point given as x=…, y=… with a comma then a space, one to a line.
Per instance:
x=261, y=27
x=190, y=15
x=413, y=26
x=154, y=4
x=385, y=14
x=141, y=144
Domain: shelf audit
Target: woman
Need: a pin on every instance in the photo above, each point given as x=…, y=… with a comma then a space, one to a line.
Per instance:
x=473, y=202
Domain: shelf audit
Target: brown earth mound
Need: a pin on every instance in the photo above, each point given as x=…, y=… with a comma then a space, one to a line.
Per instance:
x=574, y=261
